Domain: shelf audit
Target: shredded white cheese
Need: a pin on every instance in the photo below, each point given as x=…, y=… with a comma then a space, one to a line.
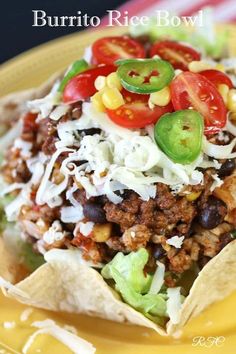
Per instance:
x=26, y=314
x=217, y=182
x=54, y=233
x=9, y=325
x=24, y=146
x=223, y=137
x=48, y=190
x=174, y=304
x=23, y=198
x=72, y=214
x=59, y=111
x=219, y=151
x=76, y=344
x=158, y=279
x=7, y=139
x=88, y=54
x=176, y=241
x=44, y=105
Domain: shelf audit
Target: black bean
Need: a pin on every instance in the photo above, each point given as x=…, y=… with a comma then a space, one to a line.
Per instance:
x=212, y=213
x=227, y=168
x=91, y=131
x=94, y=212
x=158, y=251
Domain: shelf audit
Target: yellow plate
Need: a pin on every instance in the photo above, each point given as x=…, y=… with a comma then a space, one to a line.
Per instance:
x=216, y=325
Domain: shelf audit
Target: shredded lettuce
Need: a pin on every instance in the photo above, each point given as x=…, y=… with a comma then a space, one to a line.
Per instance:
x=133, y=284
x=212, y=44
x=203, y=37
x=131, y=267
x=22, y=250
x=3, y=220
x=32, y=260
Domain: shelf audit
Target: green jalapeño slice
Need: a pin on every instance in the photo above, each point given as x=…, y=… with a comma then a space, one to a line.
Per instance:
x=144, y=75
x=179, y=135
x=76, y=68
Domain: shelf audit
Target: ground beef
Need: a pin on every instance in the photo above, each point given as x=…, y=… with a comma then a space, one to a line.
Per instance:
x=180, y=262
x=136, y=237
x=15, y=169
x=48, y=146
x=29, y=128
x=22, y=173
x=209, y=242
x=161, y=215
x=116, y=214
x=164, y=198
x=91, y=250
x=135, y=223
x=115, y=243
x=170, y=282
x=44, y=212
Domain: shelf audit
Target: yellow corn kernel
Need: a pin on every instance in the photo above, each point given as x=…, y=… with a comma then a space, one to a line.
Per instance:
x=101, y=232
x=220, y=67
x=161, y=98
x=112, y=98
x=192, y=196
x=197, y=66
x=113, y=81
x=100, y=82
x=224, y=90
x=57, y=176
x=96, y=100
x=103, y=173
x=231, y=102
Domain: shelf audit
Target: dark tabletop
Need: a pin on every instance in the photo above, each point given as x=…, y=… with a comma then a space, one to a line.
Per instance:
x=17, y=33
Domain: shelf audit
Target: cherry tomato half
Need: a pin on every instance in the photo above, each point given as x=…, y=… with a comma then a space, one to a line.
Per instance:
x=217, y=77
x=190, y=90
x=82, y=86
x=135, y=113
x=177, y=54
x=108, y=49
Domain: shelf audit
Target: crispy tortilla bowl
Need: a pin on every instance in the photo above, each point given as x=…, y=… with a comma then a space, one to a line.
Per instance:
x=52, y=286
